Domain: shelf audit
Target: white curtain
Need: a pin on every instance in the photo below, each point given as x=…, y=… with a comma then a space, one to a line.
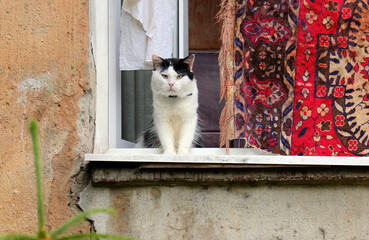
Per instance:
x=146, y=28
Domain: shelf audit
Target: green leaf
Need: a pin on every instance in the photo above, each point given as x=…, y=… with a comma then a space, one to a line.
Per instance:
x=94, y=235
x=79, y=218
x=16, y=236
x=40, y=204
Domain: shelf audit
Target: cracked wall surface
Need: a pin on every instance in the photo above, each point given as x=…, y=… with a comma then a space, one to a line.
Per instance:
x=44, y=74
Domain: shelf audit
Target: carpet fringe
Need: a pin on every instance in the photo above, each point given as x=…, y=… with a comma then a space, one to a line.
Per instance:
x=226, y=17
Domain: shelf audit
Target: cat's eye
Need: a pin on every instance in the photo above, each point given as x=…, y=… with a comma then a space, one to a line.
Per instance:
x=164, y=76
x=179, y=76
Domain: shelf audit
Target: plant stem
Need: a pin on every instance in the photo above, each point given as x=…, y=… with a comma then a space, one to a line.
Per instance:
x=36, y=149
x=17, y=236
x=78, y=218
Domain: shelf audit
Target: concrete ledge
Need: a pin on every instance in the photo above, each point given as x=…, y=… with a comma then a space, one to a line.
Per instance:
x=141, y=175
x=241, y=156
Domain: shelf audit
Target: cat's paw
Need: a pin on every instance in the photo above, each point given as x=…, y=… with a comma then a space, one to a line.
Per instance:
x=183, y=150
x=169, y=152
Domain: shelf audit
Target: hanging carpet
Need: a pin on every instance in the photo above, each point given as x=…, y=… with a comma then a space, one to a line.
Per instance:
x=295, y=76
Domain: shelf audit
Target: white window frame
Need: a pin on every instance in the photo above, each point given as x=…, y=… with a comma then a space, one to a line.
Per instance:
x=104, y=24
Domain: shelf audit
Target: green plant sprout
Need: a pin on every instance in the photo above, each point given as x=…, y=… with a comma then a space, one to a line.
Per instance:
x=42, y=233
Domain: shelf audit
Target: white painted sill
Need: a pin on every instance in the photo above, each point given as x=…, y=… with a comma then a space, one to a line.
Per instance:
x=219, y=156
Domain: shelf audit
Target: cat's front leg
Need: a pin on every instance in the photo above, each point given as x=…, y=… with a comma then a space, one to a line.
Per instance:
x=166, y=137
x=187, y=135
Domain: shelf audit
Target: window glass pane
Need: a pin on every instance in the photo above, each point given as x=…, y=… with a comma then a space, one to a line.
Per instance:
x=136, y=103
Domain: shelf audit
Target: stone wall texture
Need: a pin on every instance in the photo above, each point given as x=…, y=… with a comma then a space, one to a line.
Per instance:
x=44, y=74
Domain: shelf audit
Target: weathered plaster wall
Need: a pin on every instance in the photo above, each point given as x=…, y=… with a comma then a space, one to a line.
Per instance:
x=265, y=212
x=44, y=74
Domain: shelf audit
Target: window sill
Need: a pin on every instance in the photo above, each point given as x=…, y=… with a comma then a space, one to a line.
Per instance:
x=219, y=156
x=205, y=167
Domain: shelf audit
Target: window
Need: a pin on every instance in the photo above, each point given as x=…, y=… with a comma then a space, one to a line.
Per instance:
x=202, y=38
x=132, y=87
x=109, y=146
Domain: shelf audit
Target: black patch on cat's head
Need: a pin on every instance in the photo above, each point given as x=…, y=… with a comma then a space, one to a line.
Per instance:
x=182, y=66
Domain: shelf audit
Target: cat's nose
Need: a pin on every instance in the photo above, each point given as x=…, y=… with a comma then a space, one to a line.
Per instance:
x=171, y=84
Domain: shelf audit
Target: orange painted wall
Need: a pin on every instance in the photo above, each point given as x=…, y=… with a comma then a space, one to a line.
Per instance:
x=44, y=74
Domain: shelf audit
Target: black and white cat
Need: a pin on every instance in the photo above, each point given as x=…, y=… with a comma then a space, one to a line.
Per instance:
x=175, y=102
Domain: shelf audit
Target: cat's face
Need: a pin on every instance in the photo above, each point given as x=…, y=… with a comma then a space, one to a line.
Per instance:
x=173, y=77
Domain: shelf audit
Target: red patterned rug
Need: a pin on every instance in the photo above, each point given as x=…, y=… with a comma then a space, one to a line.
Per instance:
x=295, y=75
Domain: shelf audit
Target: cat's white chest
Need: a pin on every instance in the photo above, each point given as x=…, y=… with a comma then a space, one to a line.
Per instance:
x=176, y=122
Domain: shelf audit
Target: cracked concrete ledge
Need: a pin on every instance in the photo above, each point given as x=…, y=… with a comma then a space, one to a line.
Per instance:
x=121, y=175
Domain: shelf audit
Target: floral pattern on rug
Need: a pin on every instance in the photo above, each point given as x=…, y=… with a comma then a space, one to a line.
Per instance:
x=299, y=78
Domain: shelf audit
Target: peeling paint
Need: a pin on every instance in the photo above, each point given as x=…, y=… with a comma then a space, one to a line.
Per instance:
x=32, y=84
x=29, y=85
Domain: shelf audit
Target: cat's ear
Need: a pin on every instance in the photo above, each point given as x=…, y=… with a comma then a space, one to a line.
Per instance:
x=189, y=60
x=156, y=61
